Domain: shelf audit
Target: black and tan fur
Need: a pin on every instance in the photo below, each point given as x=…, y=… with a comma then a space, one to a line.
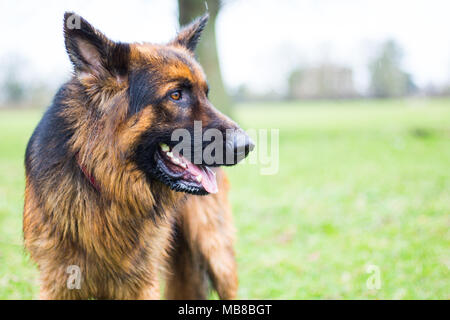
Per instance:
x=128, y=227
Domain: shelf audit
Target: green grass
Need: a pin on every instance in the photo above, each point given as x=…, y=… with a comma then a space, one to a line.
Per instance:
x=359, y=183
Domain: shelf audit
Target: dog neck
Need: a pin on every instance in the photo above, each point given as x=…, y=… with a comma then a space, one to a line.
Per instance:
x=86, y=173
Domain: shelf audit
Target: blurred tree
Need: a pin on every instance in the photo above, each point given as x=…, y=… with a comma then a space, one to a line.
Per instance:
x=13, y=88
x=386, y=75
x=19, y=85
x=207, y=48
x=40, y=94
x=242, y=94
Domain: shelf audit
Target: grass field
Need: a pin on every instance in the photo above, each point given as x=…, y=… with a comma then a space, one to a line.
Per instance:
x=359, y=184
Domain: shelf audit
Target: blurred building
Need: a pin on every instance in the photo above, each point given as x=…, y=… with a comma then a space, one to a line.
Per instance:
x=327, y=81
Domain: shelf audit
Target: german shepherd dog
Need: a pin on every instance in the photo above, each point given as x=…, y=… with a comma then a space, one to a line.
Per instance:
x=107, y=194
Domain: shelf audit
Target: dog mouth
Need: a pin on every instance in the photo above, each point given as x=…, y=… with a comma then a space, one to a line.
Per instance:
x=180, y=174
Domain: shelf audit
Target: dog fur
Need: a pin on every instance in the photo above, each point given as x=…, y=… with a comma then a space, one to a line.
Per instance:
x=91, y=197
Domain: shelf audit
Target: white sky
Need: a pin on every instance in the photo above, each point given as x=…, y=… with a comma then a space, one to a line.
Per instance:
x=259, y=40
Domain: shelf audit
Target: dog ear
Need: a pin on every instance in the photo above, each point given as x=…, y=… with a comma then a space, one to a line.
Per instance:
x=189, y=36
x=90, y=51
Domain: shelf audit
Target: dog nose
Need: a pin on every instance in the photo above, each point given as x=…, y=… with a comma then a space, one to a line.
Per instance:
x=242, y=145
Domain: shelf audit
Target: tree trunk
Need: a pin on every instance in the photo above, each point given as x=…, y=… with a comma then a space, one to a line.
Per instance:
x=207, y=48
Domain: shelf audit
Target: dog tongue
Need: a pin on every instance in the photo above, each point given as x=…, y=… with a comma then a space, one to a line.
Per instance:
x=208, y=181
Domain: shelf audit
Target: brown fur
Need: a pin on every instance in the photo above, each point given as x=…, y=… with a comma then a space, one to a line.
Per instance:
x=204, y=245
x=127, y=233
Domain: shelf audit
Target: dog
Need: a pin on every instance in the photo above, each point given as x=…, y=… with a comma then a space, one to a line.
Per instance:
x=110, y=206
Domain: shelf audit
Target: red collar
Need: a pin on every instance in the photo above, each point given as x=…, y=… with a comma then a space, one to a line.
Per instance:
x=89, y=176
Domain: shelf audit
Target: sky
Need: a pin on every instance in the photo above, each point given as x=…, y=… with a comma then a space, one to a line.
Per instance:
x=259, y=41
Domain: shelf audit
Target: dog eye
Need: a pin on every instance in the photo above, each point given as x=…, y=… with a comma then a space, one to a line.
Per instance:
x=176, y=95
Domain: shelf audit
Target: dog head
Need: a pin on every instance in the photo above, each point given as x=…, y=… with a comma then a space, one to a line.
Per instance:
x=157, y=95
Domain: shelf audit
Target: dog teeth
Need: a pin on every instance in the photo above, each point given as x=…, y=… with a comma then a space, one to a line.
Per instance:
x=198, y=178
x=173, y=158
x=164, y=147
